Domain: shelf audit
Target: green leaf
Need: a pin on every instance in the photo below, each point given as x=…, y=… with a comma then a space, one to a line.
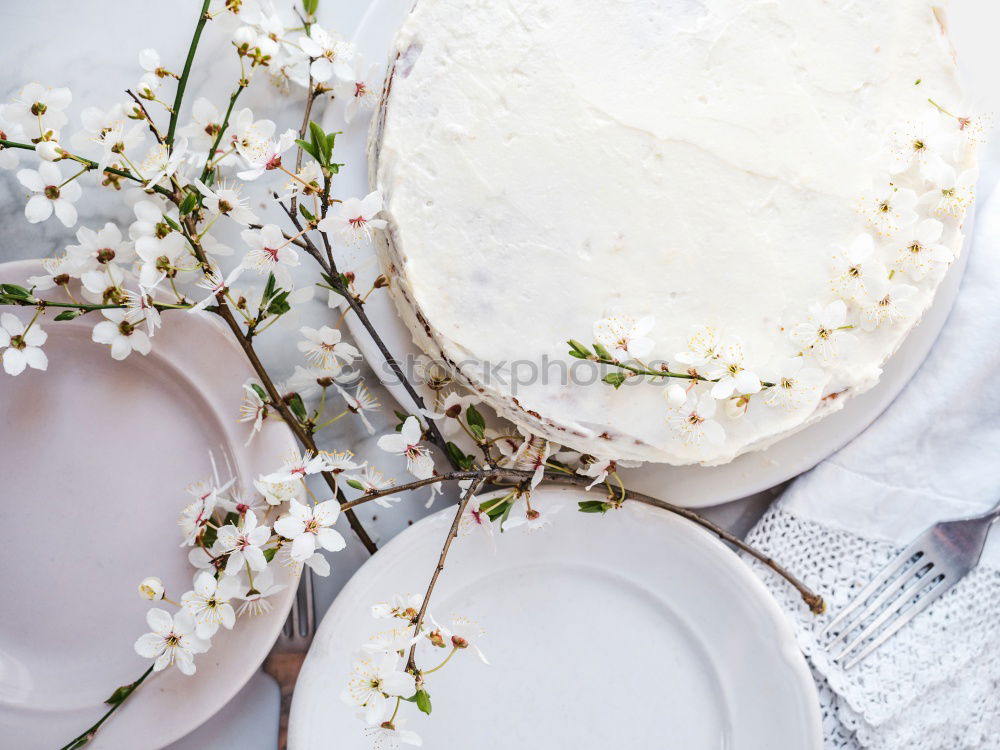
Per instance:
x=259, y=390
x=13, y=290
x=279, y=303
x=307, y=147
x=334, y=168
x=463, y=461
x=614, y=378
x=298, y=408
x=319, y=143
x=309, y=6
x=172, y=224
x=602, y=352
x=499, y=510
x=578, y=350
x=269, y=553
x=120, y=694
x=208, y=537
x=331, y=141
x=355, y=484
x=306, y=212
x=594, y=506
x=189, y=204
x=232, y=519
x=69, y=314
x=477, y=425
x=423, y=701
x=268, y=287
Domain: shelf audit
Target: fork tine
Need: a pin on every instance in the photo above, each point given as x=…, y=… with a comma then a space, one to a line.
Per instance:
x=307, y=618
x=892, y=588
x=884, y=576
x=919, y=606
x=891, y=611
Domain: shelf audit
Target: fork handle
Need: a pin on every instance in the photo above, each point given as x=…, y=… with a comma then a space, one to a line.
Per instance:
x=284, y=668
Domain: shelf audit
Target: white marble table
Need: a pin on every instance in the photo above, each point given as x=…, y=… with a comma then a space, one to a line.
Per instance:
x=92, y=48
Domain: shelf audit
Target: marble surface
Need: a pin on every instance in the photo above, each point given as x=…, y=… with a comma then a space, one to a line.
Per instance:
x=92, y=48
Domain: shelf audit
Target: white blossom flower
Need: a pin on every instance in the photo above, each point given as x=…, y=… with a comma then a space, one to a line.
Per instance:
x=891, y=304
x=253, y=409
x=317, y=562
x=50, y=195
x=476, y=519
x=531, y=455
x=202, y=130
x=693, y=421
x=255, y=599
x=372, y=480
x=824, y=333
x=919, y=249
x=324, y=348
x=215, y=284
x=270, y=252
x=172, y=641
x=703, y=345
x=391, y=640
x=795, y=385
x=162, y=162
x=122, y=336
x=151, y=588
x=140, y=307
x=209, y=603
x=266, y=155
x=406, y=442
x=354, y=219
x=49, y=150
x=309, y=528
x=276, y=493
x=243, y=544
x=361, y=89
x=97, y=250
x=330, y=53
x=107, y=134
x=729, y=372
x=531, y=519
x=927, y=141
x=227, y=200
x=24, y=347
x=856, y=270
x=361, y=401
x=953, y=192
x=338, y=462
x=10, y=157
x=889, y=208
x=198, y=513
x=149, y=60
x=624, y=337
x=38, y=108
x=402, y=606
x=463, y=632
x=390, y=735
x=599, y=468
x=247, y=135
x=298, y=467
x=148, y=85
x=373, y=682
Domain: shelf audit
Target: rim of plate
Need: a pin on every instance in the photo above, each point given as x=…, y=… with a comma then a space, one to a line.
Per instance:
x=277, y=441
x=692, y=486
x=315, y=668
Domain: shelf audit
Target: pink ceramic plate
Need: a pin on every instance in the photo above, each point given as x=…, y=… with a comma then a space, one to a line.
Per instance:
x=95, y=458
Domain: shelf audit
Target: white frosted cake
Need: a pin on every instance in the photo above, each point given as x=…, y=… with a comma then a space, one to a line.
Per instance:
x=761, y=197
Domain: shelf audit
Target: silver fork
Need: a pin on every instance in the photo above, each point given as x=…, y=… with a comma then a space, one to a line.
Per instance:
x=285, y=659
x=938, y=559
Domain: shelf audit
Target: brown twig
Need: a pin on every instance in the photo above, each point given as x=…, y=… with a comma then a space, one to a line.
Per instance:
x=518, y=476
x=149, y=120
x=452, y=533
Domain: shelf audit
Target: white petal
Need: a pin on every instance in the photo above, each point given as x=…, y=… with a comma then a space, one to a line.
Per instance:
x=14, y=361
x=38, y=208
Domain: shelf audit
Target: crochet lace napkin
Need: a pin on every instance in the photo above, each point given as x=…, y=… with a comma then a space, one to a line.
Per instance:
x=933, y=455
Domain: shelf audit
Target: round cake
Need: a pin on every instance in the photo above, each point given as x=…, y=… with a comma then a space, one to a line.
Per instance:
x=738, y=209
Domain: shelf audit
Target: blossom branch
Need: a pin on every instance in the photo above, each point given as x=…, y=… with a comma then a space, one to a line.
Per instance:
x=116, y=701
x=88, y=163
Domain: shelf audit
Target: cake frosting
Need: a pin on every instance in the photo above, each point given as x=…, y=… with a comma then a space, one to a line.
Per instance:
x=760, y=196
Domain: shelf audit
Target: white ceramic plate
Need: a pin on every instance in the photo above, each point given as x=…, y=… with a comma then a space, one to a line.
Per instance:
x=691, y=486
x=96, y=455
x=634, y=630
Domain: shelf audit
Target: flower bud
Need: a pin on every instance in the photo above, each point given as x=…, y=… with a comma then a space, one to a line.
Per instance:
x=48, y=150
x=459, y=642
x=151, y=588
x=737, y=407
x=675, y=395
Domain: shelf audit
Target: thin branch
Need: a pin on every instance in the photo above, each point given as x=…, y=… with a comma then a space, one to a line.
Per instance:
x=90, y=164
x=518, y=476
x=452, y=533
x=175, y=111
x=85, y=737
x=145, y=113
x=223, y=127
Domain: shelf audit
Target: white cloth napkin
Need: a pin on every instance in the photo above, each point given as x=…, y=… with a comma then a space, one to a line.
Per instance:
x=933, y=455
